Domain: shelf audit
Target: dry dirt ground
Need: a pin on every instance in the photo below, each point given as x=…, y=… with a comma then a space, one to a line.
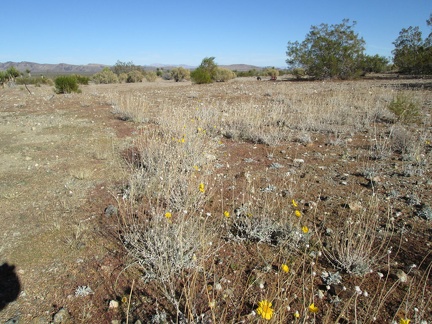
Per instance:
x=60, y=161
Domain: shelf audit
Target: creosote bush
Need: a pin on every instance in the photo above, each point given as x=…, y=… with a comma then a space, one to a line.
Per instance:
x=150, y=76
x=66, y=84
x=134, y=76
x=405, y=108
x=180, y=74
x=105, y=76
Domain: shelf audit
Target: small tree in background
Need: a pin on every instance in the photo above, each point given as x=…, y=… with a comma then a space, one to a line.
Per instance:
x=375, y=64
x=328, y=51
x=180, y=74
x=412, y=53
x=125, y=67
x=272, y=73
x=206, y=72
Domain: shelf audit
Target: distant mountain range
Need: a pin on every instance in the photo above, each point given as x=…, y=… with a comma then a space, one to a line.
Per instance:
x=37, y=68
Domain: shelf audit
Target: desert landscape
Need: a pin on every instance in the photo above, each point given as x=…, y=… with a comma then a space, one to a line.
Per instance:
x=234, y=202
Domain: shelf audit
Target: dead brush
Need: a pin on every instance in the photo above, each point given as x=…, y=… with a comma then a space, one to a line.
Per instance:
x=131, y=106
x=360, y=245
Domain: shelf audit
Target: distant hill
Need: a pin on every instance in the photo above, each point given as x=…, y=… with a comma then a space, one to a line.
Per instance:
x=53, y=68
x=241, y=67
x=63, y=68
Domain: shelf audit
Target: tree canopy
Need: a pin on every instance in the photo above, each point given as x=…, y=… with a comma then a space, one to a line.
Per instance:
x=328, y=51
x=412, y=53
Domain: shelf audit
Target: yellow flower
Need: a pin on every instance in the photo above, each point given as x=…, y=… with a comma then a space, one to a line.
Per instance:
x=297, y=213
x=305, y=229
x=312, y=308
x=297, y=314
x=264, y=309
x=201, y=187
x=285, y=268
x=294, y=203
x=226, y=214
x=168, y=215
x=196, y=167
x=404, y=321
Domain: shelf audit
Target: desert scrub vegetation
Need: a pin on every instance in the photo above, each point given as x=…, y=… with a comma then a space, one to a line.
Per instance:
x=180, y=74
x=105, y=76
x=66, y=84
x=289, y=202
x=405, y=108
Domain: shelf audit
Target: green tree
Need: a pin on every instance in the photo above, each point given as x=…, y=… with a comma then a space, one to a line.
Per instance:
x=125, y=67
x=328, y=51
x=206, y=72
x=412, y=53
x=376, y=63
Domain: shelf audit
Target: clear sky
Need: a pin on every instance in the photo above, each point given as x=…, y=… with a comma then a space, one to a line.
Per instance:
x=184, y=32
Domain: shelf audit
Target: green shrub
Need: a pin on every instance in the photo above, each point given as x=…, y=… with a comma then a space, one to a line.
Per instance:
x=223, y=75
x=122, y=77
x=134, y=76
x=206, y=72
x=66, y=84
x=201, y=76
x=150, y=76
x=272, y=73
x=405, y=108
x=81, y=79
x=298, y=73
x=105, y=76
x=37, y=81
x=180, y=74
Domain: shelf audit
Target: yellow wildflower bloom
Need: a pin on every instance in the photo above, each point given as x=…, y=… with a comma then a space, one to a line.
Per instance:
x=294, y=203
x=297, y=314
x=312, y=308
x=305, y=229
x=404, y=321
x=297, y=213
x=201, y=187
x=226, y=214
x=168, y=215
x=264, y=309
x=285, y=268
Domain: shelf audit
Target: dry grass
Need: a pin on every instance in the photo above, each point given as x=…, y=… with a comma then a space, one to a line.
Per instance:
x=230, y=229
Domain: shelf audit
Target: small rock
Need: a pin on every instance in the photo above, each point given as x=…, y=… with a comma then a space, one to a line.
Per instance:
x=298, y=161
x=62, y=317
x=113, y=304
x=110, y=211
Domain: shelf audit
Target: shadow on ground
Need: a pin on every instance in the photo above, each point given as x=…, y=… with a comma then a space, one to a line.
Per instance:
x=10, y=286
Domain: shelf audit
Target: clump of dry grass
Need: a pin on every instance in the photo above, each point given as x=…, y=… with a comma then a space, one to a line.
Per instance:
x=216, y=246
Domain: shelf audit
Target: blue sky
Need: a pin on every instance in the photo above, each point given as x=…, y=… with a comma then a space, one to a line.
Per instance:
x=184, y=32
